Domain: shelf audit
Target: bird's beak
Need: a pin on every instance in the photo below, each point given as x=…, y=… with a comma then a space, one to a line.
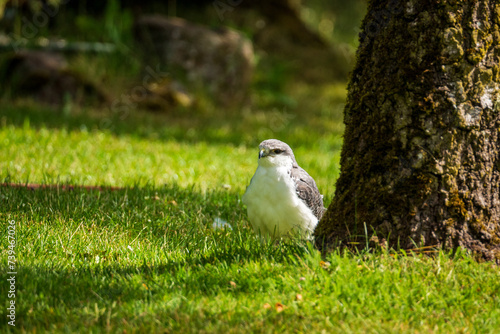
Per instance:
x=262, y=153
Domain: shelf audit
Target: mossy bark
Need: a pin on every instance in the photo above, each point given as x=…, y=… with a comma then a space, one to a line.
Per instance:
x=420, y=164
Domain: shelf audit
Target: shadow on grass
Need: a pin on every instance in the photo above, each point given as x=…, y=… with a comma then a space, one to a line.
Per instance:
x=184, y=125
x=238, y=127
x=62, y=231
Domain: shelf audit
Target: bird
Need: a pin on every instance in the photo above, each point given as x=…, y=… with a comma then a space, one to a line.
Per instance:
x=282, y=199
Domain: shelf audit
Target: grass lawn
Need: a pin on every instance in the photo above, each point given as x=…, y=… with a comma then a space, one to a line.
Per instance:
x=145, y=258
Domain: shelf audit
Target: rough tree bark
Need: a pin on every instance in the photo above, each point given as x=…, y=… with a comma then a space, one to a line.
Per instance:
x=420, y=162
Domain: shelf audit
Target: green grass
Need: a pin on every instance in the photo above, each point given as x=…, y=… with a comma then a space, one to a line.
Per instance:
x=145, y=258
x=131, y=260
x=47, y=150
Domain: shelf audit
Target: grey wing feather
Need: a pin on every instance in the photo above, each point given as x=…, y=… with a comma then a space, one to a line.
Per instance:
x=308, y=191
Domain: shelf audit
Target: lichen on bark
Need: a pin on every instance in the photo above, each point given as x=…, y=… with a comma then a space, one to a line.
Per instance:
x=420, y=163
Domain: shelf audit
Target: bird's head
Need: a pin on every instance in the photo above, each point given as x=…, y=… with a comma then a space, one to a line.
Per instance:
x=273, y=152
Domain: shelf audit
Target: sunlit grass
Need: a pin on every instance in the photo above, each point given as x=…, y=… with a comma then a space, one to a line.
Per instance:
x=100, y=158
x=92, y=147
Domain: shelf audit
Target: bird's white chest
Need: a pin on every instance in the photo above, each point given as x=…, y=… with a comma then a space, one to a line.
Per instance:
x=273, y=206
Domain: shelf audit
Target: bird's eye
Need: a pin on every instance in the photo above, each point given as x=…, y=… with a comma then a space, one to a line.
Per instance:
x=277, y=151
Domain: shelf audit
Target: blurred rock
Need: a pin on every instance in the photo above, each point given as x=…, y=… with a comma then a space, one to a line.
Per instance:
x=45, y=77
x=219, y=60
x=165, y=94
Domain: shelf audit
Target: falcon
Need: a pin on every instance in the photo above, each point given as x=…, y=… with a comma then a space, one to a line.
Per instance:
x=282, y=199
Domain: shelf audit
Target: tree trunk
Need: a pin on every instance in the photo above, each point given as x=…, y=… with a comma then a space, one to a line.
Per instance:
x=420, y=164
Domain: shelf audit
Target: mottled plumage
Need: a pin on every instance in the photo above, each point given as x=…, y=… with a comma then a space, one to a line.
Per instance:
x=282, y=196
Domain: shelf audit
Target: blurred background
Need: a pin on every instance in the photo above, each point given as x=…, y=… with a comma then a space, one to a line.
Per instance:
x=217, y=71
